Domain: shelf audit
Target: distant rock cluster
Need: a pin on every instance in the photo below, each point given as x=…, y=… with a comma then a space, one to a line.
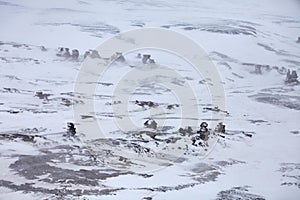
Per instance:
x=291, y=76
x=146, y=103
x=146, y=58
x=198, y=138
x=204, y=132
x=151, y=104
x=65, y=52
x=260, y=68
x=92, y=54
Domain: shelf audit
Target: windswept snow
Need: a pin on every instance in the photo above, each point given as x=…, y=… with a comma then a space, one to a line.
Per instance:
x=252, y=44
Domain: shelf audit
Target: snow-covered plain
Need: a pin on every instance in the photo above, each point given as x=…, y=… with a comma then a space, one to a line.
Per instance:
x=38, y=162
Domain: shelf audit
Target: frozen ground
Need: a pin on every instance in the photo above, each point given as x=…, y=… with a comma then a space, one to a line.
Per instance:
x=257, y=159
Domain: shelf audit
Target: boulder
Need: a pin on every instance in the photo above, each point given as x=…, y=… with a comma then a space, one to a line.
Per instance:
x=145, y=58
x=150, y=123
x=291, y=78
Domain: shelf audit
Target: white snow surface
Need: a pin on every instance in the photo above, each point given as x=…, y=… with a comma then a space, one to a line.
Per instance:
x=237, y=35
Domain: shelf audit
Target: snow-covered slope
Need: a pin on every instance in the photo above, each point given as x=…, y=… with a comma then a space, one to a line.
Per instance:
x=252, y=44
